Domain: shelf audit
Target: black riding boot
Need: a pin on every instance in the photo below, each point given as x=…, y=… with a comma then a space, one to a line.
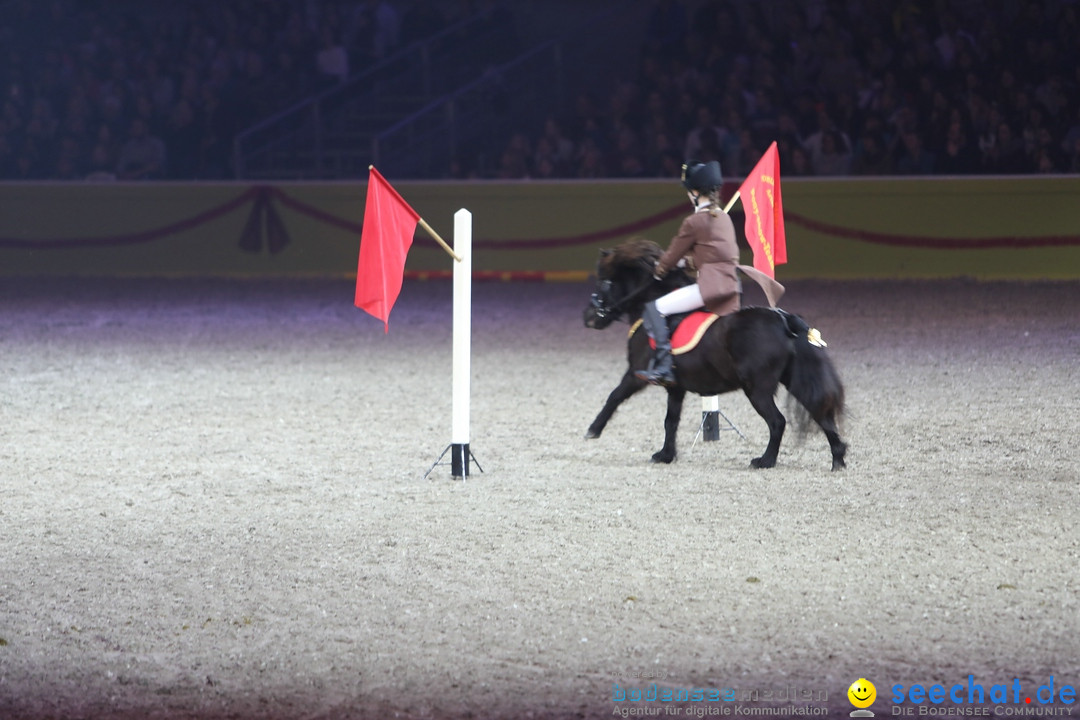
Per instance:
x=659, y=372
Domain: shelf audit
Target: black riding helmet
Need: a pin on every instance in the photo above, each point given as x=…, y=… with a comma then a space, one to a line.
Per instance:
x=701, y=177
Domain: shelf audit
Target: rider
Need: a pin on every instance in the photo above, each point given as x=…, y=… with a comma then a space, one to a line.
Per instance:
x=707, y=239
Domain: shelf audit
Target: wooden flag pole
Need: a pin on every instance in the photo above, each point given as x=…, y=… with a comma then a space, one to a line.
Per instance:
x=730, y=202
x=432, y=233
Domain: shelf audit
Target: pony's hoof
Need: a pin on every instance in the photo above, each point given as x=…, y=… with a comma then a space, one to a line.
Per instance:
x=591, y=434
x=760, y=463
x=838, y=457
x=663, y=457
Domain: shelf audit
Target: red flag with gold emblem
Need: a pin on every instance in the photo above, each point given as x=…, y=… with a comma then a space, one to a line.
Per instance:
x=764, y=210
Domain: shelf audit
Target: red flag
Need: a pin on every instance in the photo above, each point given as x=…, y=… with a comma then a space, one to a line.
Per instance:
x=760, y=194
x=389, y=225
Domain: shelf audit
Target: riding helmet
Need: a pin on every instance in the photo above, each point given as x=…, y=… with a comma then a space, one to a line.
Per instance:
x=702, y=177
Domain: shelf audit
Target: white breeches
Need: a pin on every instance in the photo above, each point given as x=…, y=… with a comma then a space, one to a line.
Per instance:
x=682, y=300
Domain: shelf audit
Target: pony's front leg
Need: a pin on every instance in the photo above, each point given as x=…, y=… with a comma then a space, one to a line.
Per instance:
x=675, y=398
x=629, y=385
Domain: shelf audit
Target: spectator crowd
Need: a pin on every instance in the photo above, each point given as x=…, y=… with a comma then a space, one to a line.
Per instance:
x=845, y=87
x=130, y=89
x=108, y=89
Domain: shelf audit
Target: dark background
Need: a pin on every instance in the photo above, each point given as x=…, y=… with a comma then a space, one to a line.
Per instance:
x=117, y=89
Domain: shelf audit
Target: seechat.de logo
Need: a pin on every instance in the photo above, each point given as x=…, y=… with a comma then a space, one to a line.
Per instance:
x=974, y=692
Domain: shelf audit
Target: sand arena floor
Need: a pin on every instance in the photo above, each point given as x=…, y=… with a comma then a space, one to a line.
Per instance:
x=212, y=505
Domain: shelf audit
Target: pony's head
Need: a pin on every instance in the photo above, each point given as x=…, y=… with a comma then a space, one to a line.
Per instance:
x=624, y=281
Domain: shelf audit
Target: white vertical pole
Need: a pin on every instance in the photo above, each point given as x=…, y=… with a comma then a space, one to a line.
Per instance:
x=462, y=345
x=710, y=417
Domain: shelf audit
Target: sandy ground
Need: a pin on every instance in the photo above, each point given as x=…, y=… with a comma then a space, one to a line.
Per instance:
x=213, y=505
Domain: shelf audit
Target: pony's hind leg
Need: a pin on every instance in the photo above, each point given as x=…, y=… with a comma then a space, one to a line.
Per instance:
x=763, y=402
x=837, y=446
x=825, y=417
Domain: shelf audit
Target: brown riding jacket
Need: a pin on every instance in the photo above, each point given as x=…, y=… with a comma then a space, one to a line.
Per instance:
x=711, y=245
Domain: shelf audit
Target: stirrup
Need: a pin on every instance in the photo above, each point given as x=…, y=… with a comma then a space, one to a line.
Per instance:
x=654, y=377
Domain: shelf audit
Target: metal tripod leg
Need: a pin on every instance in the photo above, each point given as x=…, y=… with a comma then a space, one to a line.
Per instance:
x=710, y=424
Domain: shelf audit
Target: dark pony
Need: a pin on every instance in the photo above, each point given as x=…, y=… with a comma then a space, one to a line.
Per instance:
x=755, y=349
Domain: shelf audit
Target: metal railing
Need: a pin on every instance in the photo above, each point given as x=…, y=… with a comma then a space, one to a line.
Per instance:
x=329, y=134
x=468, y=94
x=427, y=143
x=472, y=121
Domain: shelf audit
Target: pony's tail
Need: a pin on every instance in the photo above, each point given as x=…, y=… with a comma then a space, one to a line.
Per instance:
x=812, y=379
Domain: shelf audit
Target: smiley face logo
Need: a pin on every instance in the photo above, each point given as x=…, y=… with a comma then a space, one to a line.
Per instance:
x=862, y=693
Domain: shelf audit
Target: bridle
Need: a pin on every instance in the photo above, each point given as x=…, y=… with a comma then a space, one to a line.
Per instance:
x=603, y=311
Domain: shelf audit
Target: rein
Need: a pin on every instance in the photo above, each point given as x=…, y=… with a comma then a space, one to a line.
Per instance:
x=619, y=307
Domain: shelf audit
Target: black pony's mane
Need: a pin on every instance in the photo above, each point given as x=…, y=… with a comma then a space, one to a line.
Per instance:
x=635, y=253
x=636, y=257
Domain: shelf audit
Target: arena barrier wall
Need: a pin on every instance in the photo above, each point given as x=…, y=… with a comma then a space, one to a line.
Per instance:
x=986, y=228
